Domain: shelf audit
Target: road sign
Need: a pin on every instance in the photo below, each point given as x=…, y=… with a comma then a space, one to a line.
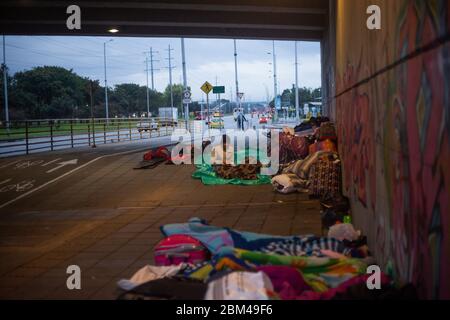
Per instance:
x=206, y=87
x=240, y=95
x=219, y=89
x=278, y=103
x=186, y=97
x=186, y=94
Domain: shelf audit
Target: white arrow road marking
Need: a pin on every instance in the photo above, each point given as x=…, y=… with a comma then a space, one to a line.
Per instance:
x=46, y=164
x=42, y=186
x=63, y=164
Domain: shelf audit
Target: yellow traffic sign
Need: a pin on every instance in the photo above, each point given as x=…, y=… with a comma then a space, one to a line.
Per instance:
x=206, y=87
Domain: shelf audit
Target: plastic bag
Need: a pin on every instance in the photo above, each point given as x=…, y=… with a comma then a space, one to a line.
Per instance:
x=344, y=231
x=240, y=286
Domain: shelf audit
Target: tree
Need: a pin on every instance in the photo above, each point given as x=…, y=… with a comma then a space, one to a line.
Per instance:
x=46, y=92
x=128, y=99
x=305, y=94
x=55, y=92
x=177, y=90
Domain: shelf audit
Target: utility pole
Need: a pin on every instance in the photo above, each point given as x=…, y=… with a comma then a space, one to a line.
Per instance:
x=183, y=59
x=106, y=81
x=297, y=107
x=238, y=102
x=149, y=54
x=91, y=93
x=231, y=98
x=170, y=74
x=5, y=84
x=151, y=66
x=148, y=102
x=275, y=90
x=201, y=106
x=217, y=95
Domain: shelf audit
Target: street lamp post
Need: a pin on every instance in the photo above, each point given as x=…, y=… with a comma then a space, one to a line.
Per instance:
x=91, y=93
x=275, y=89
x=238, y=100
x=106, y=81
x=297, y=107
x=183, y=59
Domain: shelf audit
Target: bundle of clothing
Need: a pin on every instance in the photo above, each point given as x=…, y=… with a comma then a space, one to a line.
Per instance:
x=317, y=174
x=153, y=158
x=247, y=171
x=292, y=147
x=311, y=124
x=244, y=265
x=296, y=145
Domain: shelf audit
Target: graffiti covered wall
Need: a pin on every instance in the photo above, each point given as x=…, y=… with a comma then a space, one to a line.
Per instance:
x=394, y=134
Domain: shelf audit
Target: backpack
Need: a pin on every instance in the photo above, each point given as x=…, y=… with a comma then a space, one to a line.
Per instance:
x=177, y=249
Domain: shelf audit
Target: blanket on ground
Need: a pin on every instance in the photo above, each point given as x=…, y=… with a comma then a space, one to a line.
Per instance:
x=216, y=238
x=211, y=174
x=320, y=273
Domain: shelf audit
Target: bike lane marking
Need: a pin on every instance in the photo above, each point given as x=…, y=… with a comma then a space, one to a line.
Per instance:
x=50, y=162
x=69, y=173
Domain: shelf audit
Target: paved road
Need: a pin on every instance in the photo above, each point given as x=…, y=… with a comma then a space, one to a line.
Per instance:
x=22, y=175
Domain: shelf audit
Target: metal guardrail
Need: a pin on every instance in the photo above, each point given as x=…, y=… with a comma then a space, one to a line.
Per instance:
x=29, y=136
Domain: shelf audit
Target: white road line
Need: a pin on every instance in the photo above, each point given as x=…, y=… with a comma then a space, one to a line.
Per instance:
x=5, y=181
x=46, y=164
x=63, y=164
x=68, y=173
x=8, y=164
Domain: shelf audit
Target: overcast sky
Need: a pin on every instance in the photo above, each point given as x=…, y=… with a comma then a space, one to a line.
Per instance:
x=205, y=59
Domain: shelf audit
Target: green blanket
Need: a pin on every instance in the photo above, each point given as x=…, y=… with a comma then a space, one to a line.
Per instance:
x=207, y=175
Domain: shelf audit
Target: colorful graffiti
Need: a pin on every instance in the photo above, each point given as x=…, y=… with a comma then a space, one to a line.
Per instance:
x=394, y=139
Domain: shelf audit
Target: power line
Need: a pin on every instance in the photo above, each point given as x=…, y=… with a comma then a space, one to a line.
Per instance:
x=151, y=52
x=152, y=69
x=36, y=52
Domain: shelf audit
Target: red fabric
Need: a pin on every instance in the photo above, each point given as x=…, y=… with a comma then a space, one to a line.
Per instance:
x=292, y=148
x=162, y=152
x=329, y=294
x=148, y=155
x=287, y=282
x=179, y=248
x=326, y=145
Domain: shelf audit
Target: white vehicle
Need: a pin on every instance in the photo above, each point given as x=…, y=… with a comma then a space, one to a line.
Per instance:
x=168, y=116
x=149, y=125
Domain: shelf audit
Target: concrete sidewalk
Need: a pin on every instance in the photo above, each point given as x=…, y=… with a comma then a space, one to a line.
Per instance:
x=106, y=218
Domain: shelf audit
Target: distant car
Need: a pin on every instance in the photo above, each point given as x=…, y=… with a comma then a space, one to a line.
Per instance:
x=216, y=123
x=217, y=114
x=262, y=120
x=147, y=126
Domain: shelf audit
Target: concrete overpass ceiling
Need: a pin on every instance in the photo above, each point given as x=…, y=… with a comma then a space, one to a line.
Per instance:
x=246, y=19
